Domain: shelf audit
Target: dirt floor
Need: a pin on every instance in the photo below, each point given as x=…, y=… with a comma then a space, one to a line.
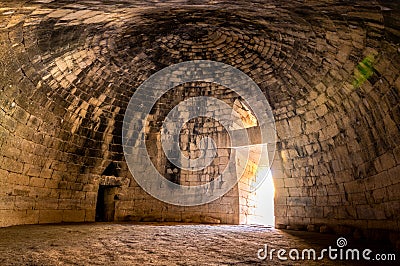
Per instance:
x=155, y=244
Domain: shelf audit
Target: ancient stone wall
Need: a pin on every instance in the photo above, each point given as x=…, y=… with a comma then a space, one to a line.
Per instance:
x=330, y=71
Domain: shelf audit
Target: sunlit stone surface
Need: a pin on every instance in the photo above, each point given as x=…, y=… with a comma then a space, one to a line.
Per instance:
x=329, y=69
x=163, y=244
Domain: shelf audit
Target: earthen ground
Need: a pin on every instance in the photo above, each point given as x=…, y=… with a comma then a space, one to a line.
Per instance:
x=157, y=244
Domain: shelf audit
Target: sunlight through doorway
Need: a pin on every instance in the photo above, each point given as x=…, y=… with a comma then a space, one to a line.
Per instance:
x=264, y=200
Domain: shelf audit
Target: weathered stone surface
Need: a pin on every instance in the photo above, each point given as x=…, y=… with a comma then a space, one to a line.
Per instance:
x=313, y=228
x=165, y=244
x=325, y=229
x=330, y=72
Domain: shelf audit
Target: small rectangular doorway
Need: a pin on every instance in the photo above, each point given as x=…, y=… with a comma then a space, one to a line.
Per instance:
x=105, y=206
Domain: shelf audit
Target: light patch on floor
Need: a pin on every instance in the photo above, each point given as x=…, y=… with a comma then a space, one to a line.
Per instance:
x=156, y=244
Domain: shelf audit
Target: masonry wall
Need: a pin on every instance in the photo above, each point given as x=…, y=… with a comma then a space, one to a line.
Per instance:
x=339, y=164
x=330, y=73
x=136, y=205
x=48, y=146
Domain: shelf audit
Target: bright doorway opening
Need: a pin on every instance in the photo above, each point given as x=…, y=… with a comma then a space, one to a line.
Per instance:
x=264, y=200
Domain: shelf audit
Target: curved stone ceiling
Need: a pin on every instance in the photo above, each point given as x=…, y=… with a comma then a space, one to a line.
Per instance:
x=330, y=70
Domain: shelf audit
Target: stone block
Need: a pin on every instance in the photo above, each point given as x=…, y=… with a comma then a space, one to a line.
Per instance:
x=296, y=227
x=90, y=215
x=15, y=217
x=50, y=216
x=280, y=226
x=19, y=179
x=24, y=203
x=51, y=183
x=325, y=229
x=3, y=176
x=11, y=165
x=73, y=216
x=7, y=202
x=295, y=125
x=46, y=204
x=46, y=173
x=313, y=228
